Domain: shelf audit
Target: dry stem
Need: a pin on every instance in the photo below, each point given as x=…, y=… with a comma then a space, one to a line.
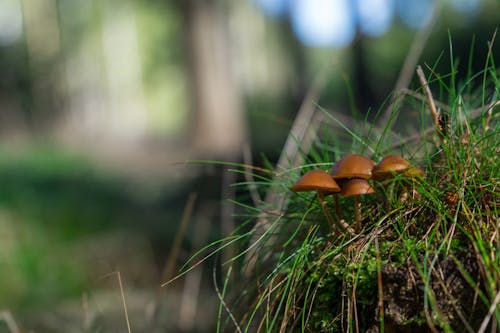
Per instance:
x=6, y=316
x=430, y=100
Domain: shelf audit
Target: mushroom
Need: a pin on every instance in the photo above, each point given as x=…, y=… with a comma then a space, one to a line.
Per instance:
x=350, y=167
x=392, y=165
x=321, y=182
x=353, y=166
x=356, y=187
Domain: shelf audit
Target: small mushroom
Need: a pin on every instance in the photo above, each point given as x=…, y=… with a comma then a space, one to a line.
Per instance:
x=321, y=182
x=353, y=166
x=355, y=188
x=392, y=165
x=349, y=167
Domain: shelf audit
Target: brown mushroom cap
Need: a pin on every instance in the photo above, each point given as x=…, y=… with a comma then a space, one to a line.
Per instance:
x=395, y=164
x=353, y=166
x=414, y=172
x=316, y=180
x=356, y=187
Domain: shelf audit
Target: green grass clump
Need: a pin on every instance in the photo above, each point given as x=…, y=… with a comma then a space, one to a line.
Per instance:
x=427, y=259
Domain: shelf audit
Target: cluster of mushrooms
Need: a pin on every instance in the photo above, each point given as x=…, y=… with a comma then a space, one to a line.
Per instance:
x=349, y=177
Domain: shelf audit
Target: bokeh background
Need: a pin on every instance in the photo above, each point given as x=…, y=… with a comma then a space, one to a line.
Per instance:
x=103, y=101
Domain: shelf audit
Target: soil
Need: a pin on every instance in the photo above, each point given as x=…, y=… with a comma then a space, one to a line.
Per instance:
x=457, y=300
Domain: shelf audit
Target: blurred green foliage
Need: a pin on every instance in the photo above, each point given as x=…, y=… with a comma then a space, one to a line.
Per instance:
x=51, y=201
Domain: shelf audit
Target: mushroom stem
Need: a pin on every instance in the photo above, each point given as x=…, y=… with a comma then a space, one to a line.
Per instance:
x=357, y=213
x=341, y=221
x=322, y=201
x=337, y=207
x=334, y=224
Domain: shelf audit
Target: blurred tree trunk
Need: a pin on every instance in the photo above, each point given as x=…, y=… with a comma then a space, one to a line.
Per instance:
x=217, y=119
x=364, y=96
x=42, y=38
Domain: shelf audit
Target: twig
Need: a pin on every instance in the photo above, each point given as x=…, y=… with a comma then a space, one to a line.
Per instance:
x=418, y=136
x=7, y=317
x=490, y=43
x=85, y=308
x=170, y=264
x=117, y=273
x=129, y=330
x=430, y=100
